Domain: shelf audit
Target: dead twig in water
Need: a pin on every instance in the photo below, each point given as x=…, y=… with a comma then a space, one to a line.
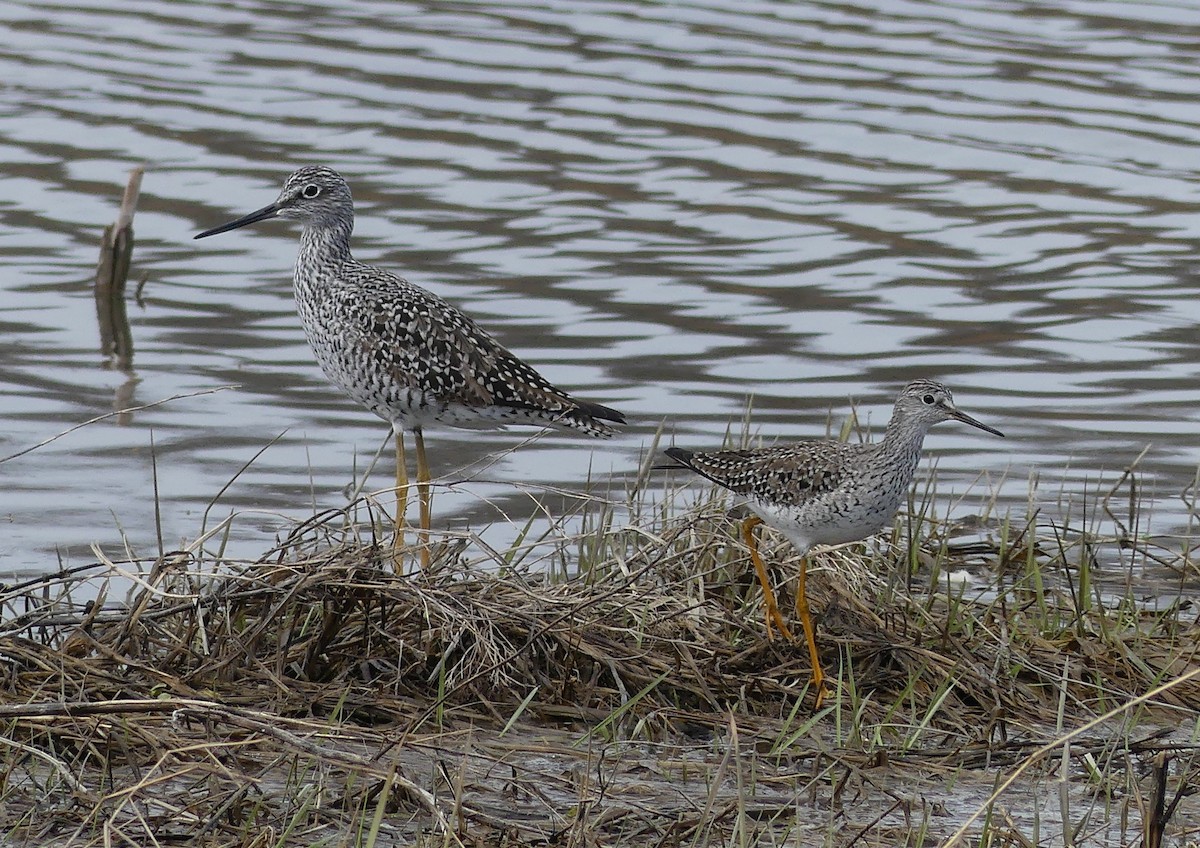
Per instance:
x=116, y=253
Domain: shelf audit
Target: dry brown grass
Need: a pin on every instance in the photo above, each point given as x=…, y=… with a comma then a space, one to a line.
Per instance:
x=317, y=697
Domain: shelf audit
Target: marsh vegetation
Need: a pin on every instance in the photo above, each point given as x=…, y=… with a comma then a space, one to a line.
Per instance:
x=999, y=679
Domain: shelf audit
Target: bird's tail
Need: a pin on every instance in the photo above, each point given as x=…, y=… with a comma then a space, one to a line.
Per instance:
x=591, y=417
x=681, y=456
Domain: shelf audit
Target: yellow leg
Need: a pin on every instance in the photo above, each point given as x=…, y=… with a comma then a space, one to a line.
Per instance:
x=425, y=496
x=401, y=486
x=772, y=609
x=810, y=634
x=401, y=503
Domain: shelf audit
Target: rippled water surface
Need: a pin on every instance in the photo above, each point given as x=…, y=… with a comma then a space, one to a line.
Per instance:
x=666, y=207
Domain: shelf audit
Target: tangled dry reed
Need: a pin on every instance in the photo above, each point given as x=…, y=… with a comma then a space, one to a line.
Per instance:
x=318, y=697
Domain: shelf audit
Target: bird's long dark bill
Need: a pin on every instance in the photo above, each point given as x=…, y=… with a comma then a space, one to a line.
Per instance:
x=252, y=218
x=967, y=419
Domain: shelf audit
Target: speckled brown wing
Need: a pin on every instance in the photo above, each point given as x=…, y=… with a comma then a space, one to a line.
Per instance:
x=435, y=348
x=491, y=370
x=787, y=474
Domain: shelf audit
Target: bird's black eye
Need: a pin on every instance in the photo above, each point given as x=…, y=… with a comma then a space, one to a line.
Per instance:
x=929, y=399
x=311, y=190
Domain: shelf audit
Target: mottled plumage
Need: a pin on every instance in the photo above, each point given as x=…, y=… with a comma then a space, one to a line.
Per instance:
x=827, y=492
x=399, y=350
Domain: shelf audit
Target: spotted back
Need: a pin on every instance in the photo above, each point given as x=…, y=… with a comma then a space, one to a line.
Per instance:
x=787, y=474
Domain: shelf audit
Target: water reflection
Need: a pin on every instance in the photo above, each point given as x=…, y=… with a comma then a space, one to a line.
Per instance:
x=664, y=207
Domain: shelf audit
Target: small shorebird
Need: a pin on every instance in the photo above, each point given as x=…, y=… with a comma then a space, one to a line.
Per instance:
x=399, y=350
x=827, y=493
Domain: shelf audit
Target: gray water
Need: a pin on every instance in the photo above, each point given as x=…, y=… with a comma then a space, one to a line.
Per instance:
x=666, y=207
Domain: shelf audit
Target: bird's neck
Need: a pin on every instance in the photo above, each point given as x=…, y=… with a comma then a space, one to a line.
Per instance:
x=325, y=243
x=903, y=439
